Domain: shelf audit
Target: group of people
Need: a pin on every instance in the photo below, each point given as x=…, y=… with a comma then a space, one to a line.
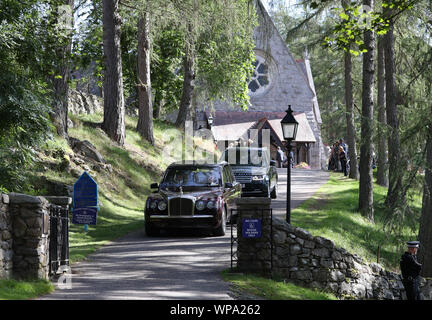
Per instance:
x=339, y=160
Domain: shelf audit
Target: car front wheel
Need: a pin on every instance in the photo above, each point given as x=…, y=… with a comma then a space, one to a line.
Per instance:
x=221, y=230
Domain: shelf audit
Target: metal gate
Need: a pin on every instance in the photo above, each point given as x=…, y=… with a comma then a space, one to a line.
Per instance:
x=239, y=214
x=58, y=239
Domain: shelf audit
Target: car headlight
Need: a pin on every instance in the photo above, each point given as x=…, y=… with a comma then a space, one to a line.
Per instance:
x=153, y=204
x=258, y=178
x=162, y=205
x=200, y=205
x=211, y=204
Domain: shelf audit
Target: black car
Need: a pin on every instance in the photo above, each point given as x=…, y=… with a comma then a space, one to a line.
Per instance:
x=192, y=195
x=253, y=168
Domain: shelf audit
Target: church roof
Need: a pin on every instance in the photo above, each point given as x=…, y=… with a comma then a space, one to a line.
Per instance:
x=304, y=131
x=229, y=117
x=235, y=124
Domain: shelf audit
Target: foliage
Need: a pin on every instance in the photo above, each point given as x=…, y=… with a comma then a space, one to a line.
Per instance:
x=166, y=78
x=225, y=52
x=23, y=98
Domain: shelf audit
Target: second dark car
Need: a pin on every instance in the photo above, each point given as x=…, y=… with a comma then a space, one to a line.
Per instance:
x=253, y=168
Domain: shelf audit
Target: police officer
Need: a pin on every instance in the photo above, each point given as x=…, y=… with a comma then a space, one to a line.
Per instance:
x=410, y=269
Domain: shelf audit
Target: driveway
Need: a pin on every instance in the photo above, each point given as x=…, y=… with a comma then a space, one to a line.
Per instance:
x=304, y=184
x=171, y=267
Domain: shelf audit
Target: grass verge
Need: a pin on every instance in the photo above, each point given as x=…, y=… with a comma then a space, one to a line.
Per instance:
x=332, y=213
x=21, y=290
x=273, y=289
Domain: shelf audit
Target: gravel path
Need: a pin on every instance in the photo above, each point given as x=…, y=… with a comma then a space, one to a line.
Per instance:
x=170, y=267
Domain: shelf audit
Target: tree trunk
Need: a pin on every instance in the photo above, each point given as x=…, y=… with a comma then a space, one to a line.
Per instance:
x=394, y=195
x=145, y=108
x=366, y=149
x=114, y=110
x=425, y=232
x=382, y=169
x=188, y=87
x=350, y=117
x=60, y=81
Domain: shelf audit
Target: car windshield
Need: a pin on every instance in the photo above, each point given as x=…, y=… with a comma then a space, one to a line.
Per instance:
x=245, y=157
x=192, y=177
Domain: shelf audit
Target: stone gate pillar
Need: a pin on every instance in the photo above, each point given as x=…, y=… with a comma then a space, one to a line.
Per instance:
x=254, y=229
x=6, y=252
x=30, y=225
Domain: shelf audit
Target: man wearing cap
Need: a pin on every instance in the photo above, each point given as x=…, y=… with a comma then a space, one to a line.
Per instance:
x=410, y=269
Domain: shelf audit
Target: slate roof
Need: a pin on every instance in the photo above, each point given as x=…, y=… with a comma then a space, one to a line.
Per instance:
x=235, y=124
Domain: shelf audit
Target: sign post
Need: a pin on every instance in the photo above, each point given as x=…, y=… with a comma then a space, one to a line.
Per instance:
x=85, y=201
x=251, y=228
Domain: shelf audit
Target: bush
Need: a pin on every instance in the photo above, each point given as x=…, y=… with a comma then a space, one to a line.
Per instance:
x=24, y=124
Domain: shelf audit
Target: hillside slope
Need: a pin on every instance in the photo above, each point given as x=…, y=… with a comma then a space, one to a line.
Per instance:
x=123, y=180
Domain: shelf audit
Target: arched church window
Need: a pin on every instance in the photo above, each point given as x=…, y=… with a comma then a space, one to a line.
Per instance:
x=261, y=78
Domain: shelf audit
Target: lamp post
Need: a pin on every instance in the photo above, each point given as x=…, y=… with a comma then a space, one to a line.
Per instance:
x=289, y=129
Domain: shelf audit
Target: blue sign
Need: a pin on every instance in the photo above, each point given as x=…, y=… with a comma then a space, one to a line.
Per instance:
x=85, y=192
x=251, y=228
x=84, y=216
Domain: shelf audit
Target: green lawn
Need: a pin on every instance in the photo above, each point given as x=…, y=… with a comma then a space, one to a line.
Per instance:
x=20, y=290
x=332, y=213
x=273, y=289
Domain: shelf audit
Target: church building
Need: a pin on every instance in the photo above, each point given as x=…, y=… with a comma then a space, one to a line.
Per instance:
x=279, y=80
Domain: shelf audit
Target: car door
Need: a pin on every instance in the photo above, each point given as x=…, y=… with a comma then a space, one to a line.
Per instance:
x=237, y=185
x=229, y=193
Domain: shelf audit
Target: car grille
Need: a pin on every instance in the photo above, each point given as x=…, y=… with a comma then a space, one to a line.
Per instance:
x=181, y=207
x=243, y=177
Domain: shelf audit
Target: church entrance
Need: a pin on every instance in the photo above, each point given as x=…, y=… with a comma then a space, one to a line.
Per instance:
x=302, y=153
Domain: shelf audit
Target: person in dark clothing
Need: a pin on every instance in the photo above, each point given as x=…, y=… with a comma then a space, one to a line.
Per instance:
x=343, y=160
x=410, y=270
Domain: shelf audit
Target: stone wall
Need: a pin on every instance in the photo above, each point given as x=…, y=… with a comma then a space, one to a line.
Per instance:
x=6, y=252
x=30, y=221
x=24, y=235
x=312, y=261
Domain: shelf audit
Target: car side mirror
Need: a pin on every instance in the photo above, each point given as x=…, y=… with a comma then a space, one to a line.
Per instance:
x=154, y=186
x=228, y=185
x=272, y=162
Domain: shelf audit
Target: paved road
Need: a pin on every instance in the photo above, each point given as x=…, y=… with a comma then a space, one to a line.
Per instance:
x=170, y=267
x=304, y=183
